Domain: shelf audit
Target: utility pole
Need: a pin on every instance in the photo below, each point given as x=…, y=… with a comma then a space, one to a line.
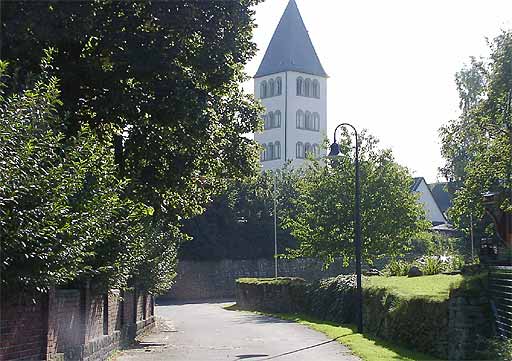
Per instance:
x=275, y=223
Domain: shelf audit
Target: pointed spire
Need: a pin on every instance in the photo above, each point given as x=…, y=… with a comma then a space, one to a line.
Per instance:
x=291, y=48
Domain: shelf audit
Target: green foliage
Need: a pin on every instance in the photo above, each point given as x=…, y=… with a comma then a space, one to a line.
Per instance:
x=332, y=299
x=62, y=214
x=478, y=145
x=431, y=265
x=495, y=349
x=398, y=268
x=151, y=106
x=322, y=212
x=239, y=223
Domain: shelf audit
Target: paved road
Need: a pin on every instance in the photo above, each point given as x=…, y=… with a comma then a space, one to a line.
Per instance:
x=208, y=332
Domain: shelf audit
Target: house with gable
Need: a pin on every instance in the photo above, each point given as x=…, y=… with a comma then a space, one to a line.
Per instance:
x=434, y=212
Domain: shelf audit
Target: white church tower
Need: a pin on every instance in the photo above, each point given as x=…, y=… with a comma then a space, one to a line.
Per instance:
x=291, y=84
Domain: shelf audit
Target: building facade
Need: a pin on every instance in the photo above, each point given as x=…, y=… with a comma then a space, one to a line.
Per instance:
x=292, y=85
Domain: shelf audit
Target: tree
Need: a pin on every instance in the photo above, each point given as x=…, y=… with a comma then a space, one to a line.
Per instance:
x=62, y=214
x=478, y=146
x=239, y=223
x=159, y=83
x=323, y=211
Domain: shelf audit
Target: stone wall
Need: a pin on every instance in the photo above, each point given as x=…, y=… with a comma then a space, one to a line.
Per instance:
x=216, y=279
x=451, y=329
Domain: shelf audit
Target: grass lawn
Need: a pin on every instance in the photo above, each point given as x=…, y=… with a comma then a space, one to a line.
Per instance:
x=366, y=347
x=436, y=287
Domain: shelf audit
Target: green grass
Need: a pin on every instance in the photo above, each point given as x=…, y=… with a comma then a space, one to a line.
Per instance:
x=366, y=347
x=271, y=281
x=436, y=287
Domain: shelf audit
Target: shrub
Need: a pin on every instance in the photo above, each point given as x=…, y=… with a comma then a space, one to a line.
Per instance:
x=397, y=268
x=431, y=265
x=332, y=299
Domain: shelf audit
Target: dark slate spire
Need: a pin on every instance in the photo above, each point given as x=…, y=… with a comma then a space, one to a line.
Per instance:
x=290, y=47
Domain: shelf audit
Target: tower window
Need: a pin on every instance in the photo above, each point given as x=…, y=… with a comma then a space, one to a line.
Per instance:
x=270, y=120
x=299, y=150
x=308, y=150
x=270, y=151
x=279, y=85
x=300, y=86
x=263, y=155
x=307, y=87
x=263, y=89
x=277, y=150
x=300, y=119
x=309, y=122
x=271, y=87
x=316, y=121
x=316, y=89
x=316, y=150
x=277, y=120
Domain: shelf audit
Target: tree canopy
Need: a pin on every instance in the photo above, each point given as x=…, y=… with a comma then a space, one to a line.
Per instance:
x=322, y=215
x=149, y=123
x=478, y=145
x=239, y=223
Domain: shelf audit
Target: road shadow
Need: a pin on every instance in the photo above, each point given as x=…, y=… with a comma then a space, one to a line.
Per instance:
x=242, y=357
x=171, y=302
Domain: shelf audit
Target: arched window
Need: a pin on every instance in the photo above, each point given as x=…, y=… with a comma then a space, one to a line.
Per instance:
x=316, y=121
x=270, y=151
x=316, y=150
x=316, y=89
x=265, y=122
x=271, y=88
x=300, y=119
x=300, y=86
x=263, y=89
x=264, y=153
x=307, y=87
x=277, y=116
x=299, y=150
x=277, y=150
x=309, y=122
x=270, y=120
x=279, y=85
x=307, y=149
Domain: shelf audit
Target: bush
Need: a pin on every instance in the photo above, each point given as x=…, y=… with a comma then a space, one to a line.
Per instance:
x=431, y=265
x=397, y=268
x=332, y=299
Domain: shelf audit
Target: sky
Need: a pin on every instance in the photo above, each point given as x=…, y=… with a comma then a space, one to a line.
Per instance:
x=392, y=64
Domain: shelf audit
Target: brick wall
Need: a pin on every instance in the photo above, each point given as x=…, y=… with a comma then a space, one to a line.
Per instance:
x=23, y=327
x=66, y=311
x=69, y=324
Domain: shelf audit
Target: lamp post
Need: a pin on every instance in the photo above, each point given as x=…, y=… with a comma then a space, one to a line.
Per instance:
x=335, y=150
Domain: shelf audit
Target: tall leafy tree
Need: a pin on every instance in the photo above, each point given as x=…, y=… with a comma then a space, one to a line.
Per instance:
x=62, y=214
x=159, y=83
x=322, y=218
x=239, y=223
x=478, y=146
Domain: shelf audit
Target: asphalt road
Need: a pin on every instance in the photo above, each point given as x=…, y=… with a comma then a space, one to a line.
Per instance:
x=208, y=332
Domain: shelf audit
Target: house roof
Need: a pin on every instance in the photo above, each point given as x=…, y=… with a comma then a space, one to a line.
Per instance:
x=291, y=48
x=442, y=196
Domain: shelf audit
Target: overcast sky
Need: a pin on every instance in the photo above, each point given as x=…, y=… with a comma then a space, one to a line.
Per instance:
x=391, y=64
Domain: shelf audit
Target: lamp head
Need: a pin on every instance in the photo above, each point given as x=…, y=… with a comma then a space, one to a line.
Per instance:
x=335, y=149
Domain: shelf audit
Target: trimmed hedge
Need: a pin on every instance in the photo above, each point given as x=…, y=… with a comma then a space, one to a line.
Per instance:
x=441, y=325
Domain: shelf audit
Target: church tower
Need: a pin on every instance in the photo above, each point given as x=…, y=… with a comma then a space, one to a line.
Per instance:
x=291, y=84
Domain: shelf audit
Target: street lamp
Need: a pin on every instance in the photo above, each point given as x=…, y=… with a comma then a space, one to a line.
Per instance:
x=335, y=150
